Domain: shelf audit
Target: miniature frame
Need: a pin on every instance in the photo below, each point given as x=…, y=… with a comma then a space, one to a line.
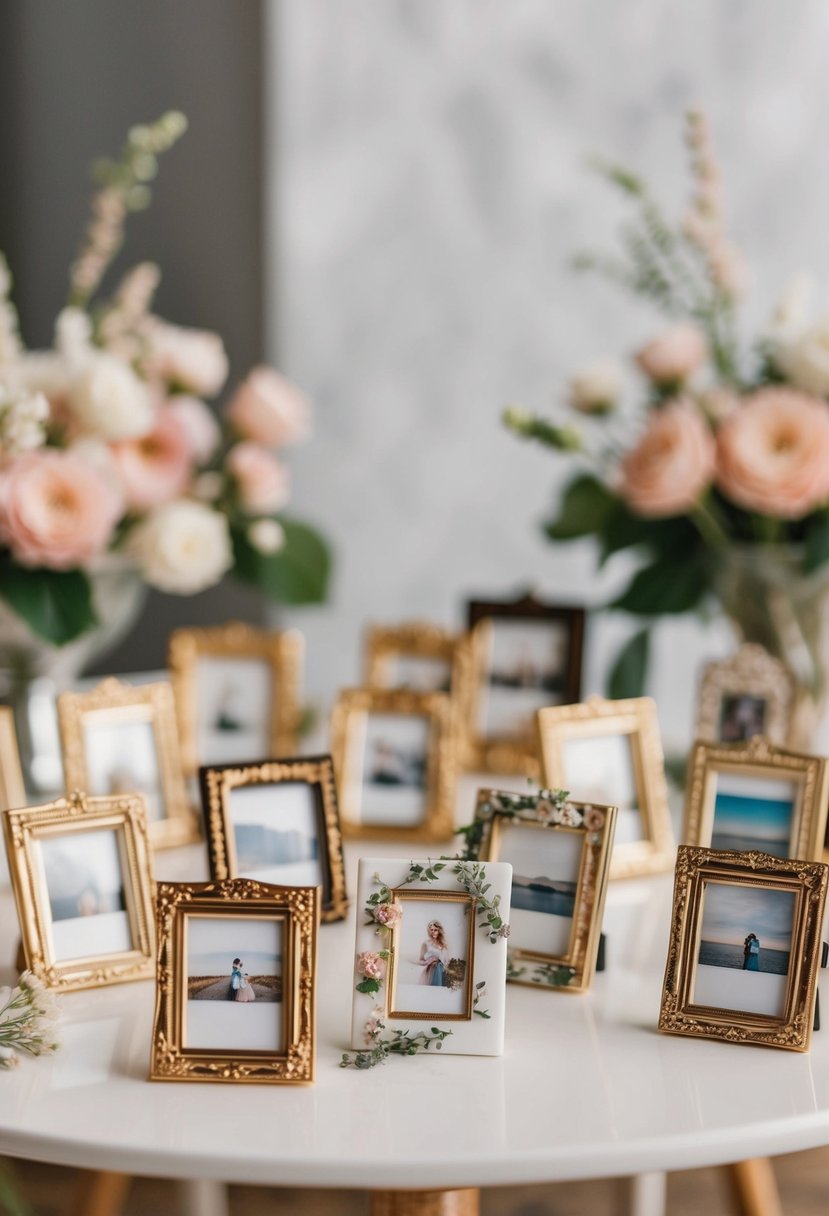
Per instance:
x=228, y=944
x=430, y=958
x=237, y=692
x=526, y=655
x=80, y=870
x=744, y=950
x=395, y=754
x=422, y=657
x=560, y=856
x=277, y=822
x=12, y=790
x=610, y=752
x=751, y=693
x=120, y=738
x=756, y=796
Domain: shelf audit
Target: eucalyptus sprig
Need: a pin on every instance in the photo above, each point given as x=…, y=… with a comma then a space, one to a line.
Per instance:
x=551, y=975
x=401, y=1043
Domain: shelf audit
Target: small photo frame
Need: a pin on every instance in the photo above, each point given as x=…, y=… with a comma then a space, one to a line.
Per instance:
x=751, y=693
x=237, y=691
x=122, y=738
x=560, y=856
x=83, y=886
x=756, y=796
x=526, y=655
x=235, y=997
x=610, y=752
x=421, y=657
x=12, y=790
x=395, y=754
x=431, y=954
x=744, y=950
x=277, y=822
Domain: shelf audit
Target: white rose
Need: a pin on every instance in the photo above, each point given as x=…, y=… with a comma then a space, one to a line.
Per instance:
x=109, y=400
x=597, y=388
x=182, y=547
x=803, y=357
x=267, y=536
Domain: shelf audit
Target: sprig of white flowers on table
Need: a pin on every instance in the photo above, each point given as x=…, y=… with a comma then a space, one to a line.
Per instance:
x=28, y=1020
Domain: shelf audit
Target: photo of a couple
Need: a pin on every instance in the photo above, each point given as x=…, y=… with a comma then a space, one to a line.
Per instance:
x=218, y=976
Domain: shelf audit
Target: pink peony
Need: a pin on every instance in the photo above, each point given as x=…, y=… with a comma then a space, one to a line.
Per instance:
x=674, y=356
x=672, y=465
x=199, y=423
x=371, y=965
x=269, y=409
x=388, y=914
x=261, y=481
x=157, y=467
x=773, y=454
x=56, y=509
x=192, y=360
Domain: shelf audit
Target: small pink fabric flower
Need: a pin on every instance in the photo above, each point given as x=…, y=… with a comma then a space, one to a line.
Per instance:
x=56, y=509
x=263, y=484
x=199, y=424
x=191, y=360
x=593, y=818
x=371, y=965
x=269, y=409
x=674, y=356
x=672, y=465
x=773, y=453
x=388, y=914
x=156, y=468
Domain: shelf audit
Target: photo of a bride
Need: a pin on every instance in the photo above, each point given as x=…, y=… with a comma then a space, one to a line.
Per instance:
x=432, y=962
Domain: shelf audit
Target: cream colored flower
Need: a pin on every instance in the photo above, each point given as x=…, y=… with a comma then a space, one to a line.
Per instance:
x=597, y=388
x=109, y=400
x=182, y=547
x=803, y=357
x=266, y=535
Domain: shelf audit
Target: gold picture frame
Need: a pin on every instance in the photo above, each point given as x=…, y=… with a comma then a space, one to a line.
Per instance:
x=280, y=651
x=555, y=822
x=34, y=836
x=423, y=788
x=114, y=704
x=317, y=772
x=12, y=789
x=643, y=847
x=181, y=1048
x=707, y=992
x=747, y=768
x=403, y=895
x=750, y=693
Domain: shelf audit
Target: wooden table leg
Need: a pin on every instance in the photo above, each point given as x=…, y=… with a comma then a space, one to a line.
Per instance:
x=426, y=1203
x=642, y=1195
x=754, y=1187
x=100, y=1193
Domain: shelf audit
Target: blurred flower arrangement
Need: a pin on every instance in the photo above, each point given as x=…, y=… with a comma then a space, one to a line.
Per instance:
x=28, y=1021
x=718, y=475
x=108, y=448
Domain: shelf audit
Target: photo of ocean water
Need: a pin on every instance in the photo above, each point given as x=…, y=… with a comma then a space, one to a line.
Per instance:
x=723, y=954
x=753, y=812
x=534, y=897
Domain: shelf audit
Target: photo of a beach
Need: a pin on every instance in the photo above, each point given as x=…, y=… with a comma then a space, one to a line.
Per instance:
x=545, y=866
x=753, y=812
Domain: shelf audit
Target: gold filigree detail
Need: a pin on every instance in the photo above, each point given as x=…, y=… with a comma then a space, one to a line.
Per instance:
x=751, y=672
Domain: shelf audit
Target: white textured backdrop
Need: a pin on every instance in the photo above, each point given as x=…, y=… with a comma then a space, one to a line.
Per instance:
x=427, y=187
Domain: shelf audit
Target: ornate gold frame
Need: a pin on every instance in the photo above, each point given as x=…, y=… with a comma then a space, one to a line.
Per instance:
x=531, y=967
x=758, y=758
x=637, y=718
x=808, y=882
x=24, y=829
x=132, y=703
x=12, y=789
x=281, y=651
x=171, y=1060
x=404, y=894
x=355, y=703
x=218, y=780
x=752, y=672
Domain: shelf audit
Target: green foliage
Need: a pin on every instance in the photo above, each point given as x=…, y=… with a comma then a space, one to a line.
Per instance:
x=401, y=1043
x=562, y=438
x=673, y=584
x=55, y=604
x=628, y=674
x=297, y=574
x=586, y=509
x=369, y=986
x=816, y=542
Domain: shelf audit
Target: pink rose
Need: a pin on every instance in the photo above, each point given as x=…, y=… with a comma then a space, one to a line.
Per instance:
x=593, y=818
x=199, y=424
x=157, y=467
x=56, y=510
x=672, y=465
x=674, y=356
x=371, y=965
x=388, y=914
x=773, y=453
x=269, y=409
x=261, y=481
x=192, y=360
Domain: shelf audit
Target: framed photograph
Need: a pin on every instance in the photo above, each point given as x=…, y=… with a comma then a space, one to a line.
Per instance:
x=753, y=795
x=235, y=997
x=610, y=752
x=560, y=856
x=120, y=739
x=237, y=692
x=526, y=655
x=431, y=956
x=749, y=694
x=421, y=657
x=12, y=790
x=277, y=822
x=744, y=949
x=80, y=871
x=395, y=755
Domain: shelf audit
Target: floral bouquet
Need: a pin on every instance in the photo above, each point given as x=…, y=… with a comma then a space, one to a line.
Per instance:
x=717, y=474
x=108, y=452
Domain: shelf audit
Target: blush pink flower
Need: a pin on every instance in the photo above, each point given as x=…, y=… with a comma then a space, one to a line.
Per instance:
x=371, y=965
x=56, y=509
x=672, y=465
x=593, y=818
x=156, y=468
x=191, y=360
x=674, y=356
x=388, y=914
x=269, y=409
x=773, y=453
x=262, y=483
x=199, y=424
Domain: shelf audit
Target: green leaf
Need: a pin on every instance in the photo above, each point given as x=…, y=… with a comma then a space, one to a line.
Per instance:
x=297, y=574
x=817, y=542
x=368, y=986
x=627, y=677
x=672, y=584
x=55, y=604
x=586, y=507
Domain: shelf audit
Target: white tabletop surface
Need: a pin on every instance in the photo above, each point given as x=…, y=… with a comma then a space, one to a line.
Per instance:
x=586, y=1087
